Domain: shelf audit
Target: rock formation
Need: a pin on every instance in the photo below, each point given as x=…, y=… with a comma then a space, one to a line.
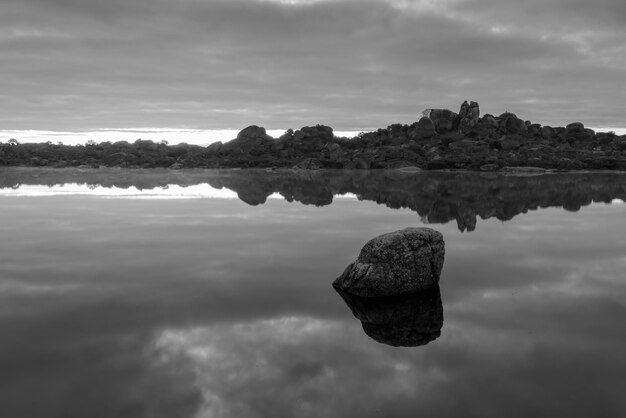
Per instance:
x=400, y=321
x=469, y=116
x=396, y=263
x=441, y=139
x=445, y=120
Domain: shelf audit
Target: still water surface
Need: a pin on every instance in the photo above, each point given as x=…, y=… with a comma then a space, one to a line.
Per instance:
x=120, y=299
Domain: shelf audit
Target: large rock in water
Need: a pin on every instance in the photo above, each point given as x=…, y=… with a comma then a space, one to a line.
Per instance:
x=401, y=262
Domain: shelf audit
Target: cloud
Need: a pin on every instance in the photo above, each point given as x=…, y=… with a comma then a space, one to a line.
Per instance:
x=69, y=64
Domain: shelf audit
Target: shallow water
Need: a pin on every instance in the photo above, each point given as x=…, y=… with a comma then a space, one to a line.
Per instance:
x=158, y=294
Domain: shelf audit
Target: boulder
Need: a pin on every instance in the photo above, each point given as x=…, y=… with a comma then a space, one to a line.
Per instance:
x=396, y=263
x=464, y=109
x=215, y=147
x=575, y=128
x=424, y=129
x=334, y=152
x=511, y=124
x=469, y=116
x=534, y=129
x=508, y=144
x=251, y=140
x=359, y=163
x=576, y=131
x=287, y=136
x=547, y=132
x=253, y=132
x=309, y=164
x=445, y=120
x=489, y=120
x=312, y=138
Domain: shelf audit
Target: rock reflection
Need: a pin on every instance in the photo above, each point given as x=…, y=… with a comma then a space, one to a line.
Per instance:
x=438, y=197
x=400, y=321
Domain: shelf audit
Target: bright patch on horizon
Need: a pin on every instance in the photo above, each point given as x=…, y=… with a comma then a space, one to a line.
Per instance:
x=171, y=192
x=202, y=137
x=199, y=191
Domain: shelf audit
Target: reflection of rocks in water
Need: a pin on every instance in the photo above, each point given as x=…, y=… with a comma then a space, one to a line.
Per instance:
x=400, y=321
x=438, y=197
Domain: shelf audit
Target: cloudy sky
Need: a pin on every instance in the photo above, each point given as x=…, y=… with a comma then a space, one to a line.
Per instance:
x=352, y=64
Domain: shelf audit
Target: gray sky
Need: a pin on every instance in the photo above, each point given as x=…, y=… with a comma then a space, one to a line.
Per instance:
x=350, y=64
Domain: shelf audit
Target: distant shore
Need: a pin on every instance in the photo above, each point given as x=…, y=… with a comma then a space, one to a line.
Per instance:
x=441, y=139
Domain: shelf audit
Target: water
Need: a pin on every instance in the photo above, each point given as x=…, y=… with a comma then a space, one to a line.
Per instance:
x=158, y=294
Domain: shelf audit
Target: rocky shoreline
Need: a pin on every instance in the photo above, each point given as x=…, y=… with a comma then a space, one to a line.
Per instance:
x=440, y=139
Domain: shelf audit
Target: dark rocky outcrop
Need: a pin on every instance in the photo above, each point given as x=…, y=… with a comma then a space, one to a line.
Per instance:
x=469, y=116
x=445, y=120
x=440, y=140
x=511, y=124
x=400, y=262
x=424, y=129
x=400, y=321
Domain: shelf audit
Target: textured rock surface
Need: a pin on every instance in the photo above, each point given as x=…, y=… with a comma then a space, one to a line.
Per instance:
x=445, y=120
x=253, y=132
x=470, y=115
x=441, y=140
x=400, y=262
x=400, y=321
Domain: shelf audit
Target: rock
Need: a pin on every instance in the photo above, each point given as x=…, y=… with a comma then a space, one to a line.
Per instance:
x=400, y=262
x=576, y=132
x=359, y=163
x=445, y=120
x=534, y=129
x=312, y=138
x=334, y=151
x=464, y=109
x=424, y=129
x=299, y=136
x=253, y=132
x=511, y=124
x=287, y=136
x=489, y=167
x=547, y=132
x=215, y=147
x=408, y=169
x=309, y=164
x=489, y=120
x=400, y=321
x=469, y=116
x=575, y=127
x=399, y=164
x=524, y=170
x=508, y=144
x=250, y=141
x=590, y=132
x=473, y=111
